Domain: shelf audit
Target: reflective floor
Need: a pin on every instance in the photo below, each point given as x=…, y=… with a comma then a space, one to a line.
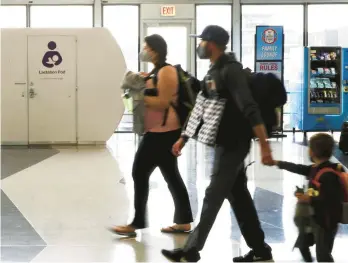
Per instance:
x=57, y=203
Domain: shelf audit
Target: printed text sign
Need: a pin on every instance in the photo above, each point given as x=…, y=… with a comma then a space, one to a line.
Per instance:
x=269, y=43
x=168, y=10
x=270, y=67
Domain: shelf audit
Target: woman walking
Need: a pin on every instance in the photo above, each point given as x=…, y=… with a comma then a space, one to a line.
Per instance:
x=162, y=130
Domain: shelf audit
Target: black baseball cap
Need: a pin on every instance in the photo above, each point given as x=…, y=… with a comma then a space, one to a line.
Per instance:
x=215, y=34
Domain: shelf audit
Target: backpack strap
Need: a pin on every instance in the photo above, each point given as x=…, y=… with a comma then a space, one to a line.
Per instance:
x=223, y=73
x=148, y=77
x=316, y=178
x=343, y=178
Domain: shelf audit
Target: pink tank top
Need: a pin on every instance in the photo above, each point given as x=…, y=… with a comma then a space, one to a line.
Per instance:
x=153, y=119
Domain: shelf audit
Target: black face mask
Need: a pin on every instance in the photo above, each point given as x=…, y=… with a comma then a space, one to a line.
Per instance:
x=203, y=52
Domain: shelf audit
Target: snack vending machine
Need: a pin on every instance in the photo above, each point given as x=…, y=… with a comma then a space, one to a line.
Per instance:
x=325, y=88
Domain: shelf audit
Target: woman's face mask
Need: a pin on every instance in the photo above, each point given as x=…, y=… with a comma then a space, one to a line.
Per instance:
x=145, y=56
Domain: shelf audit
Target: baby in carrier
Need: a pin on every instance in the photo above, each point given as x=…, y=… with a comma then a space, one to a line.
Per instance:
x=319, y=208
x=133, y=87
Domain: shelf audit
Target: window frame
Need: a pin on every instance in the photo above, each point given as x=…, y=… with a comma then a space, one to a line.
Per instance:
x=195, y=26
x=304, y=42
x=305, y=16
x=27, y=13
x=105, y=4
x=29, y=6
x=139, y=20
x=317, y=4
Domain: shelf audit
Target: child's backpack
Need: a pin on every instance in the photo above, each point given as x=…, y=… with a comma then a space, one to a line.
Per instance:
x=269, y=93
x=189, y=87
x=344, y=182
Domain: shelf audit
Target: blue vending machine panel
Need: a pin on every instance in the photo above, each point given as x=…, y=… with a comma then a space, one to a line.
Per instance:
x=323, y=91
x=345, y=82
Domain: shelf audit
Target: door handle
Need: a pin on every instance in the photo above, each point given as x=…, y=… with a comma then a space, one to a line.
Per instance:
x=32, y=93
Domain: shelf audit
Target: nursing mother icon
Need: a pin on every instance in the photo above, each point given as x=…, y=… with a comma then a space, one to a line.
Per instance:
x=52, y=58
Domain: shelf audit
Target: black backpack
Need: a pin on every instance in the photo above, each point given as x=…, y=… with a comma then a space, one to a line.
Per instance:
x=269, y=93
x=189, y=87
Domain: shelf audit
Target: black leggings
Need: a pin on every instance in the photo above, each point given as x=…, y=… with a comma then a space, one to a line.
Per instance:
x=155, y=151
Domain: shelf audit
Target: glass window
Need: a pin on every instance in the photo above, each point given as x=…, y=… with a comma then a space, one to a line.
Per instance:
x=291, y=18
x=220, y=15
x=123, y=22
x=13, y=16
x=330, y=29
x=61, y=16
x=177, y=50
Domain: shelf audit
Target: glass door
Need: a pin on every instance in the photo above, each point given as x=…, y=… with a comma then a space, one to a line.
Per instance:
x=179, y=43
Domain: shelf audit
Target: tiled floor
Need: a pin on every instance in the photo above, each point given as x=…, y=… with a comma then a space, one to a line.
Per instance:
x=57, y=203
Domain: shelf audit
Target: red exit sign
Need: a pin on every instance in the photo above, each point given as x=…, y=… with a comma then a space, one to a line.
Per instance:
x=168, y=10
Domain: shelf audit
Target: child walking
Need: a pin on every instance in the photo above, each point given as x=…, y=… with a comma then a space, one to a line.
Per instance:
x=319, y=208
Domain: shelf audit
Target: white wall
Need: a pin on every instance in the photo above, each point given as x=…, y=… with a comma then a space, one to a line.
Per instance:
x=100, y=69
x=14, y=102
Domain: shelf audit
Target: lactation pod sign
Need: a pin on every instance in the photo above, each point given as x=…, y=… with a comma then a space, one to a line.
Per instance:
x=52, y=75
x=269, y=55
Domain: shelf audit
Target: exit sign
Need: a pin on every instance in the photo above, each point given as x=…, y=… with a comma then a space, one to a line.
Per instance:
x=168, y=10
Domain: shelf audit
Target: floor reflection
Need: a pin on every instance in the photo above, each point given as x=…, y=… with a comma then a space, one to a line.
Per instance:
x=69, y=198
x=272, y=190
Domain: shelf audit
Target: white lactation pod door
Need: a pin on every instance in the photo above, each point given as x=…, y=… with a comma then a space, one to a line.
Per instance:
x=52, y=88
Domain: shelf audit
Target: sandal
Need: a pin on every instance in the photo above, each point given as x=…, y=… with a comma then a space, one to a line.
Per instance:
x=127, y=231
x=175, y=230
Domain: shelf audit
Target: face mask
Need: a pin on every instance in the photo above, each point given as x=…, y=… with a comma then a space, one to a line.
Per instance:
x=203, y=52
x=144, y=56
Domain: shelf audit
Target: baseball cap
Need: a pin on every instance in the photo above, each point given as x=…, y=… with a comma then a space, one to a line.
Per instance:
x=215, y=34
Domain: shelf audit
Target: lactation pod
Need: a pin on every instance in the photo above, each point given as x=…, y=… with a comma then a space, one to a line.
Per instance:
x=60, y=86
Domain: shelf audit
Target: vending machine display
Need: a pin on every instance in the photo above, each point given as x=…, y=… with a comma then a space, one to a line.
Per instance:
x=325, y=80
x=345, y=76
x=322, y=81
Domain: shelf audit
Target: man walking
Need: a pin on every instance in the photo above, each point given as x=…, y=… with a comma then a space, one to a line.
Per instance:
x=231, y=120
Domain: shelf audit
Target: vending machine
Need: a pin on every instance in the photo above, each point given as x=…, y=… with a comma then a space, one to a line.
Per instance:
x=324, y=88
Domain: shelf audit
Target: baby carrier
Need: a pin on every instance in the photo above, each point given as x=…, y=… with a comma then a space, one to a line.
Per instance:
x=133, y=96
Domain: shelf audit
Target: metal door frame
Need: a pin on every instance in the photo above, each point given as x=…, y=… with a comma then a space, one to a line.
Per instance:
x=188, y=23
